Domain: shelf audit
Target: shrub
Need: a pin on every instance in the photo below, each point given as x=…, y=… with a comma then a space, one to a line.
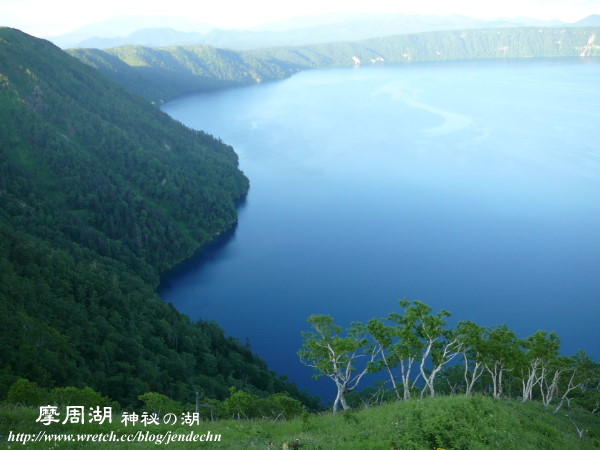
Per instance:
x=241, y=404
x=26, y=393
x=71, y=396
x=160, y=404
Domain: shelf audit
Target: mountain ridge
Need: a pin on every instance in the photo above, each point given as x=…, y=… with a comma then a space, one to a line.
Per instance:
x=161, y=74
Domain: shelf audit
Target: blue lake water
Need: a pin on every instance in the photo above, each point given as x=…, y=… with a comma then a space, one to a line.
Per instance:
x=471, y=186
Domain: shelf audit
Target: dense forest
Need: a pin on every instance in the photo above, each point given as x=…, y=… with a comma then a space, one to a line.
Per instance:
x=161, y=74
x=100, y=192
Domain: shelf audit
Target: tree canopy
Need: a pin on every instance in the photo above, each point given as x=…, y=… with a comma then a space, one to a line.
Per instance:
x=494, y=360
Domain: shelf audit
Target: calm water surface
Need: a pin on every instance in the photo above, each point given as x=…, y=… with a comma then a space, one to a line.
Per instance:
x=473, y=187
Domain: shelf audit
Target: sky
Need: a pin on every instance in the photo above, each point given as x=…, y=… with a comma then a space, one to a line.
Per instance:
x=43, y=18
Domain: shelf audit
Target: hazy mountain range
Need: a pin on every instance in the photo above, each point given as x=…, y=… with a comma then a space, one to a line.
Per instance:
x=169, y=31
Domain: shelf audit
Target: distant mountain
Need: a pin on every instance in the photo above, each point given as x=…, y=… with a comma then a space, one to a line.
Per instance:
x=351, y=29
x=428, y=20
x=99, y=193
x=149, y=37
x=590, y=21
x=310, y=21
x=161, y=74
x=124, y=26
x=300, y=31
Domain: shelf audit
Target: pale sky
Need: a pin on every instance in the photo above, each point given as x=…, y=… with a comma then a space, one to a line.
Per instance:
x=44, y=18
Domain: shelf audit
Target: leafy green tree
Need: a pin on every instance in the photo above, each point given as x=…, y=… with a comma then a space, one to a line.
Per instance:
x=241, y=404
x=26, y=393
x=409, y=346
x=582, y=383
x=502, y=353
x=212, y=409
x=335, y=356
x=414, y=335
x=540, y=352
x=280, y=405
x=160, y=404
x=472, y=337
x=441, y=345
x=81, y=397
x=384, y=335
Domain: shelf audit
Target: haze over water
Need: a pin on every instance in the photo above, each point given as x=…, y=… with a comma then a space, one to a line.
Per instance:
x=471, y=186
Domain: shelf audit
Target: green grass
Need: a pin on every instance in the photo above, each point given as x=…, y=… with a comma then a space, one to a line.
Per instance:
x=443, y=422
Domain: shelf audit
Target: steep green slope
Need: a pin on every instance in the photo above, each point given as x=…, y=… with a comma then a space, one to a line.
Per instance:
x=99, y=193
x=164, y=73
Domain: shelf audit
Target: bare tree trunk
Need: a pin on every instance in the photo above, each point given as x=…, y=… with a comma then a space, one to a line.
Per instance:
x=532, y=380
x=391, y=375
x=570, y=387
x=580, y=431
x=500, y=388
x=343, y=401
x=448, y=354
x=477, y=372
x=405, y=373
x=548, y=391
x=338, y=397
x=496, y=374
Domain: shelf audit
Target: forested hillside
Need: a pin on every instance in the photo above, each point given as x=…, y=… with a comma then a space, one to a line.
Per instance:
x=161, y=74
x=99, y=193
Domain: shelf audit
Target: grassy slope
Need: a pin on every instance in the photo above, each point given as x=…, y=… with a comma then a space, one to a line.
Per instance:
x=444, y=422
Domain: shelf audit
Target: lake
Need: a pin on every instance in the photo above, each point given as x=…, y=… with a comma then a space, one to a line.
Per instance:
x=471, y=186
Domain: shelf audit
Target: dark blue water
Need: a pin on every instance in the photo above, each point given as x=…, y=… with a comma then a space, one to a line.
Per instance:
x=473, y=187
